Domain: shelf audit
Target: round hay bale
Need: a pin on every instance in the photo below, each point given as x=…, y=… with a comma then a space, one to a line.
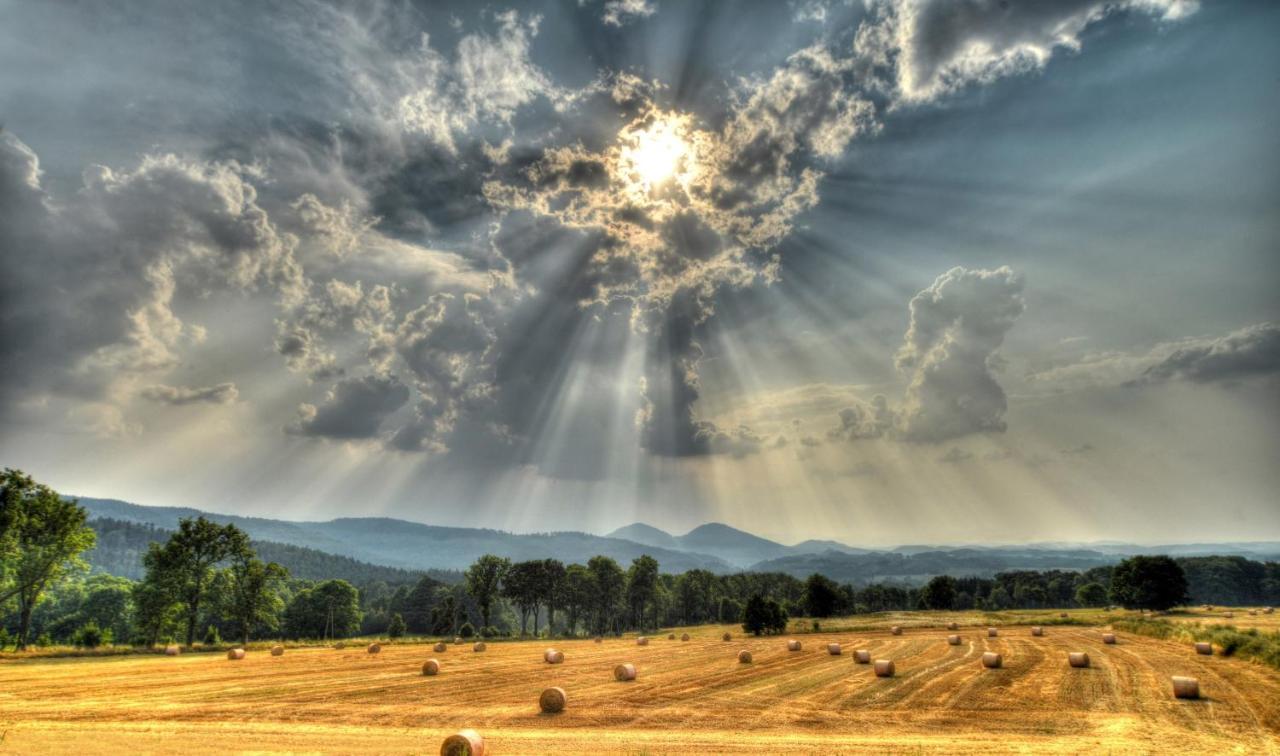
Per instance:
x=726, y=637
x=552, y=700
x=793, y=645
x=684, y=637
x=642, y=641
x=172, y=650
x=1062, y=615
x=599, y=639
x=1078, y=659
x=1269, y=610
x=375, y=648
x=1186, y=687
x=1229, y=615
x=479, y=646
x=431, y=668
x=992, y=660
x=833, y=649
x=952, y=626
x=884, y=668
x=235, y=654
x=953, y=640
x=1037, y=631
x=440, y=647
x=672, y=636
x=277, y=650
x=624, y=672
x=862, y=656
x=993, y=632
x=1109, y=639
x=457, y=640
x=1253, y=612
x=552, y=656
x=1204, y=649
x=463, y=743
x=896, y=630
x=339, y=646
x=744, y=657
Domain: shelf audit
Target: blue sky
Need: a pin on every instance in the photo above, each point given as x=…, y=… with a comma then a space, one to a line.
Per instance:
x=886, y=271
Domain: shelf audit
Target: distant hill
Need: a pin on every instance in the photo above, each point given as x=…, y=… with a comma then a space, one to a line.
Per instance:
x=412, y=545
x=918, y=567
x=122, y=544
x=737, y=547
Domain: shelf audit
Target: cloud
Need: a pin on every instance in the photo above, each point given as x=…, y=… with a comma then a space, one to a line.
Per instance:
x=1252, y=351
x=957, y=325
x=859, y=421
x=354, y=409
x=955, y=455
x=622, y=12
x=935, y=47
x=222, y=393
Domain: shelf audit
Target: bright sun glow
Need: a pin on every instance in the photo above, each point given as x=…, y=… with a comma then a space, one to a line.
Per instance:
x=656, y=153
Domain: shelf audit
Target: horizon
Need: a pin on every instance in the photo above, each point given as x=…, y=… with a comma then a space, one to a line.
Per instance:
x=884, y=273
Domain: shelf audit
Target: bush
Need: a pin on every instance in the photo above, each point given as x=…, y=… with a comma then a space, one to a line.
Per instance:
x=467, y=630
x=212, y=637
x=91, y=636
x=1247, y=644
x=395, y=629
x=490, y=632
x=43, y=640
x=5, y=639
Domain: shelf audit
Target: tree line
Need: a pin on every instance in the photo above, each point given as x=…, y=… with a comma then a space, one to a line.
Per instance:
x=207, y=582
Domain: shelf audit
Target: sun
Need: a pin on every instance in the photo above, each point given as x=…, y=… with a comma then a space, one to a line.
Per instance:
x=656, y=151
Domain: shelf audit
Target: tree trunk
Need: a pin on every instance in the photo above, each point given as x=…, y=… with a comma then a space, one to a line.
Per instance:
x=193, y=616
x=24, y=621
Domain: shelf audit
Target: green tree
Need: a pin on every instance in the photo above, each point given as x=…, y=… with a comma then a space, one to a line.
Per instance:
x=552, y=585
x=939, y=593
x=695, y=595
x=484, y=582
x=642, y=586
x=184, y=564
x=522, y=586
x=41, y=539
x=821, y=595
x=1091, y=594
x=1148, y=582
x=155, y=612
x=254, y=595
x=610, y=582
x=396, y=628
x=763, y=615
x=579, y=593
x=330, y=609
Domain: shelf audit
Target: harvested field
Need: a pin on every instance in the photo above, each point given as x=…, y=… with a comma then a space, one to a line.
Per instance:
x=687, y=697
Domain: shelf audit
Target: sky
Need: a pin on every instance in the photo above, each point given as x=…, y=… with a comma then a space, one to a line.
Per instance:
x=883, y=271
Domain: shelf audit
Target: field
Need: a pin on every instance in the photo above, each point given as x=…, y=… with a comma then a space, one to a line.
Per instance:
x=689, y=697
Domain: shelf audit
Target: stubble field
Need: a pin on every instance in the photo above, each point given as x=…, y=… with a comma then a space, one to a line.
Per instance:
x=689, y=697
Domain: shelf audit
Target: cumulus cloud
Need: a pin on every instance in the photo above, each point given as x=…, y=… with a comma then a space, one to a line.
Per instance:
x=934, y=47
x=354, y=408
x=955, y=455
x=622, y=12
x=222, y=393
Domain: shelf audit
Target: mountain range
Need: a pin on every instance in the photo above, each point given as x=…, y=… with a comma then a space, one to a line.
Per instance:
x=716, y=547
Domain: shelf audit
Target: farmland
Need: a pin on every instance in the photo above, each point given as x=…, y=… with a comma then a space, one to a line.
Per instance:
x=688, y=697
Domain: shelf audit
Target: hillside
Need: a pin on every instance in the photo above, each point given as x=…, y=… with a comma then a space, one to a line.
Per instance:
x=414, y=546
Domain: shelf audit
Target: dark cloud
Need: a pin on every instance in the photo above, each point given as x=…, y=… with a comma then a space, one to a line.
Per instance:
x=1250, y=351
x=354, y=409
x=222, y=393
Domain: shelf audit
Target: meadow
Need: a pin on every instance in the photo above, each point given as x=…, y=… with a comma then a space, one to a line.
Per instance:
x=689, y=696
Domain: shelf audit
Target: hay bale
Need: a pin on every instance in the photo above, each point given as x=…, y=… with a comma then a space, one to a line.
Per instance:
x=440, y=647
x=672, y=636
x=1269, y=610
x=744, y=657
x=552, y=701
x=1186, y=687
x=172, y=650
x=1229, y=615
x=1037, y=631
x=430, y=668
x=1078, y=659
x=235, y=654
x=339, y=646
x=1109, y=639
x=1062, y=615
x=993, y=632
x=624, y=672
x=952, y=626
x=457, y=640
x=884, y=668
x=684, y=637
x=992, y=660
x=1204, y=649
x=1253, y=612
x=953, y=640
x=862, y=656
x=726, y=637
x=642, y=641
x=833, y=649
x=480, y=646
x=793, y=645
x=375, y=648
x=463, y=743
x=552, y=656
x=895, y=630
x=599, y=639
x=277, y=650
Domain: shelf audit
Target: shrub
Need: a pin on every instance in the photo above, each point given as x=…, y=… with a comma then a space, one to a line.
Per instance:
x=5, y=638
x=91, y=636
x=212, y=637
x=1247, y=644
x=467, y=630
x=490, y=632
x=395, y=629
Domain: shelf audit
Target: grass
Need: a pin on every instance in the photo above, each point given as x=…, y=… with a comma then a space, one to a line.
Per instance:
x=1250, y=643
